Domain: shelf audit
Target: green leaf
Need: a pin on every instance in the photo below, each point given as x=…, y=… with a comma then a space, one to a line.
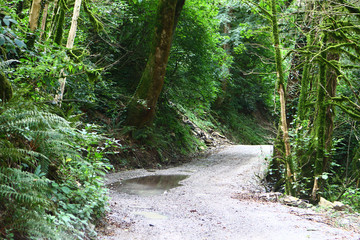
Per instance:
x=324, y=176
x=19, y=43
x=9, y=40
x=66, y=190
x=13, y=21
x=2, y=40
x=6, y=21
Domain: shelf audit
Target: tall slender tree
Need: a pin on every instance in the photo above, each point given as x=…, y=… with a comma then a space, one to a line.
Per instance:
x=282, y=94
x=283, y=133
x=70, y=44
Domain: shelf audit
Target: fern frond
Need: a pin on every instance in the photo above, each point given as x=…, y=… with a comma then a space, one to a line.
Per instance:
x=6, y=64
x=31, y=120
x=19, y=155
x=22, y=187
x=40, y=137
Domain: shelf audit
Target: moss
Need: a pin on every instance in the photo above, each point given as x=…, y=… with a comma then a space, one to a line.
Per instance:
x=60, y=25
x=302, y=107
x=320, y=128
x=141, y=109
x=93, y=74
x=98, y=26
x=6, y=90
x=77, y=54
x=3, y=52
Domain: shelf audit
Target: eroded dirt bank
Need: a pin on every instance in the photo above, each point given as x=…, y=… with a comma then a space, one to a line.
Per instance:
x=205, y=207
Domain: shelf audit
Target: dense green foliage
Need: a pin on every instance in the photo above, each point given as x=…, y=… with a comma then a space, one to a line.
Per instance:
x=50, y=183
x=220, y=78
x=52, y=155
x=321, y=50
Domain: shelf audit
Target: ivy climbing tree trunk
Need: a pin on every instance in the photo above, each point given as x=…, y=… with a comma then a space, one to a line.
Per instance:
x=141, y=109
x=70, y=44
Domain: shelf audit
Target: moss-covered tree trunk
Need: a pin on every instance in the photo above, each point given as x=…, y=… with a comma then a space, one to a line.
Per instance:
x=59, y=22
x=6, y=90
x=141, y=109
x=305, y=78
x=294, y=79
x=320, y=129
x=331, y=84
x=327, y=84
x=325, y=119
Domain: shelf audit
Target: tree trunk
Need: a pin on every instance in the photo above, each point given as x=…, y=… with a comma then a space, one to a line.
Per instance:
x=72, y=33
x=281, y=90
x=320, y=125
x=325, y=117
x=6, y=90
x=59, y=24
x=294, y=80
x=34, y=14
x=141, y=109
x=331, y=77
x=70, y=44
x=43, y=22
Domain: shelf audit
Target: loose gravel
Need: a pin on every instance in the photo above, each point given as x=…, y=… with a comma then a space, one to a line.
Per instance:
x=204, y=207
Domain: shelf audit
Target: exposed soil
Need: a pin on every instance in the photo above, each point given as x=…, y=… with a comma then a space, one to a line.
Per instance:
x=208, y=205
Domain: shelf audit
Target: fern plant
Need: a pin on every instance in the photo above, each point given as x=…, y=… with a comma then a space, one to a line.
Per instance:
x=25, y=200
x=34, y=138
x=35, y=146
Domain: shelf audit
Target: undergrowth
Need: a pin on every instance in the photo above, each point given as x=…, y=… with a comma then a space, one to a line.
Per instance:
x=51, y=183
x=245, y=128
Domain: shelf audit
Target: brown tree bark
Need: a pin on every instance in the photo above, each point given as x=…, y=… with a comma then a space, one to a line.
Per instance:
x=43, y=22
x=34, y=14
x=141, y=109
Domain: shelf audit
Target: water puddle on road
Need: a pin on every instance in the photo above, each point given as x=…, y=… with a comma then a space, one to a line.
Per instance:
x=149, y=185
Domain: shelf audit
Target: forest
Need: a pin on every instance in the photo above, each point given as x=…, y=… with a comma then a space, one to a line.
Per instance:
x=93, y=86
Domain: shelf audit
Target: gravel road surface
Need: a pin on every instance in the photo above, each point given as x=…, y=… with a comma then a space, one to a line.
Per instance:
x=204, y=206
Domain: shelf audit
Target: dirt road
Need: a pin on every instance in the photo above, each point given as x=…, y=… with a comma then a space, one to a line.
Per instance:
x=205, y=207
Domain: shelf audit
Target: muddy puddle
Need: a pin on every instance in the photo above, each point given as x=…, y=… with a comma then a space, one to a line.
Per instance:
x=148, y=185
